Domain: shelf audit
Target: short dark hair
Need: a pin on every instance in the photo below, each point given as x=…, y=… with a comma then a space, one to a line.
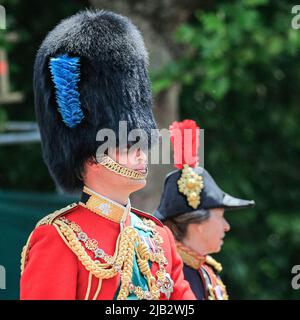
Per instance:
x=178, y=225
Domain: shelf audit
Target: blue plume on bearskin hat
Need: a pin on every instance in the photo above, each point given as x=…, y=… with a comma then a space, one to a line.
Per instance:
x=90, y=73
x=65, y=75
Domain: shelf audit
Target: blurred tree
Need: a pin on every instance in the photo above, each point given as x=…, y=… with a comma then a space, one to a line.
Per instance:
x=240, y=76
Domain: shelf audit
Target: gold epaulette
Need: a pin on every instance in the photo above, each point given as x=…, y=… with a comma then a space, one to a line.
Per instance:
x=47, y=220
x=213, y=263
x=52, y=216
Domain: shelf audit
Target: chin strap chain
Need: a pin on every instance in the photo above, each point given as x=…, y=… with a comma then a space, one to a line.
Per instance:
x=112, y=165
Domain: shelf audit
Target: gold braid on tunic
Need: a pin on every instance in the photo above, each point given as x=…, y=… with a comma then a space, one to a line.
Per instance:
x=128, y=244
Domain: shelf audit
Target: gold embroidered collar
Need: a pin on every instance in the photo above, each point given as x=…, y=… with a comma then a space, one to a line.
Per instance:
x=190, y=257
x=195, y=260
x=103, y=206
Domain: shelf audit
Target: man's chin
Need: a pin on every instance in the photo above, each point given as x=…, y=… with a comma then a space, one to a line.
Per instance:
x=141, y=183
x=136, y=184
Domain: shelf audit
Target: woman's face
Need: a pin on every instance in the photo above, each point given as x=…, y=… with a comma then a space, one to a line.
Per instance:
x=207, y=237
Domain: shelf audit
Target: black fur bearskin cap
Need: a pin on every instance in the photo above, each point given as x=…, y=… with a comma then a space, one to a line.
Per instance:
x=90, y=73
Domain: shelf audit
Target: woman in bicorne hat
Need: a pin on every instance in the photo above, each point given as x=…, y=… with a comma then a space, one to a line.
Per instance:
x=192, y=205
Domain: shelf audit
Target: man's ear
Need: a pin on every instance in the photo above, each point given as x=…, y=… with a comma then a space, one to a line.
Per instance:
x=91, y=164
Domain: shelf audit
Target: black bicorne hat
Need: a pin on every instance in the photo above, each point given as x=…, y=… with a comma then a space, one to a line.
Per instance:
x=173, y=203
x=90, y=73
x=193, y=188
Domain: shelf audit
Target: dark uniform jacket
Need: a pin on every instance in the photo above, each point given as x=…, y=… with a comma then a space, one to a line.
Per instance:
x=202, y=272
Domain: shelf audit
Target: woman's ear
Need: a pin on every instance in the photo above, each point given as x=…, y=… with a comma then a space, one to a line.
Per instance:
x=199, y=228
x=193, y=229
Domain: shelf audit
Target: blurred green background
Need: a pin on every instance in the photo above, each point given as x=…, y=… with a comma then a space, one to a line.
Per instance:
x=238, y=69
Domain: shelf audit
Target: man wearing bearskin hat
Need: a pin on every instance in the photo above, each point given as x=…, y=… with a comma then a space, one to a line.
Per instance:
x=192, y=205
x=90, y=74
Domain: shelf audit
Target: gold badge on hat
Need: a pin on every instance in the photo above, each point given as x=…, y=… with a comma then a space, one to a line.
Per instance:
x=191, y=185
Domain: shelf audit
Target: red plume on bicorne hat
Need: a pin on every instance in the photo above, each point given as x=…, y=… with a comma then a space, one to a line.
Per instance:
x=185, y=139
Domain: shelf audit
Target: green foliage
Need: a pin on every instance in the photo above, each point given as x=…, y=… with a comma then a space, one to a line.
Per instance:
x=240, y=77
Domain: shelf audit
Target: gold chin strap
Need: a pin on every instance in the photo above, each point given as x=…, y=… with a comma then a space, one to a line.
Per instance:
x=115, y=167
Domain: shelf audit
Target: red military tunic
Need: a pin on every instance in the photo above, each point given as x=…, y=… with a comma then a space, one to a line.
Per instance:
x=55, y=266
x=202, y=274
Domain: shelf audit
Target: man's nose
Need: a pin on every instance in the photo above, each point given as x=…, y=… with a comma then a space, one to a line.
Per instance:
x=142, y=155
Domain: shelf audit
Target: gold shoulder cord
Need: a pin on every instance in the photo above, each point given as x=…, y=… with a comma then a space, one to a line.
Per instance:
x=24, y=254
x=222, y=285
x=210, y=261
x=213, y=263
x=128, y=243
x=47, y=220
